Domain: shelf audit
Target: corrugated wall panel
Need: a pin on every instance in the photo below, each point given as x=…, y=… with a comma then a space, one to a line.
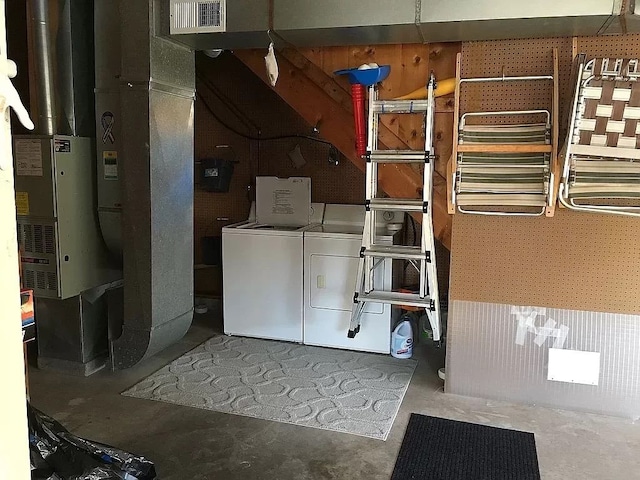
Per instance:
x=484, y=360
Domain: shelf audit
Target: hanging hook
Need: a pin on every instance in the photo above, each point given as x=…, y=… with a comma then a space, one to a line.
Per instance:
x=269, y=35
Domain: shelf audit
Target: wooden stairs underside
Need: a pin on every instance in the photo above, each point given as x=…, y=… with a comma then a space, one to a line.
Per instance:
x=323, y=101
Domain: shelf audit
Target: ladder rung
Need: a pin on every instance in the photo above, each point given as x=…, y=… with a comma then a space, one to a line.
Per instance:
x=396, y=204
x=395, y=298
x=400, y=106
x=398, y=156
x=396, y=251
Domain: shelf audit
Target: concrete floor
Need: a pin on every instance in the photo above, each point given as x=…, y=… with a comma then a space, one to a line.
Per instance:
x=190, y=444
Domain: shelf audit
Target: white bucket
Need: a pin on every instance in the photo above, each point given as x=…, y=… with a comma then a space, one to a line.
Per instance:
x=402, y=340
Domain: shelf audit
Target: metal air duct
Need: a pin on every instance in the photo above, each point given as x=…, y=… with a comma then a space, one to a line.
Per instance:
x=62, y=68
x=308, y=23
x=43, y=68
x=144, y=113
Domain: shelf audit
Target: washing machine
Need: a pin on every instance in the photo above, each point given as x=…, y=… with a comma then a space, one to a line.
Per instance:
x=262, y=262
x=331, y=256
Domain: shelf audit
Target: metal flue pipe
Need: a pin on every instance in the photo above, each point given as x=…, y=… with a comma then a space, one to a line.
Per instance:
x=43, y=66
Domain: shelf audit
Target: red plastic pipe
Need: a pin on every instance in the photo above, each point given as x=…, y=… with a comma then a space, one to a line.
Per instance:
x=358, y=97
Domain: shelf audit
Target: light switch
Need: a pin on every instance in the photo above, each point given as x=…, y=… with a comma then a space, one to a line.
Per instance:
x=320, y=283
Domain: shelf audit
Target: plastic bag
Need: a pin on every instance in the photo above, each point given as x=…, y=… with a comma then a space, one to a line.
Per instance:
x=57, y=454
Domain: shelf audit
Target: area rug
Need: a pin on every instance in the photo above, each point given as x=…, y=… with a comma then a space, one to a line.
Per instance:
x=350, y=392
x=437, y=448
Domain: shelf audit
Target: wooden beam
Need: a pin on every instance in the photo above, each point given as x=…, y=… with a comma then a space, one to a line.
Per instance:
x=316, y=105
x=319, y=77
x=453, y=162
x=338, y=90
x=555, y=162
x=396, y=140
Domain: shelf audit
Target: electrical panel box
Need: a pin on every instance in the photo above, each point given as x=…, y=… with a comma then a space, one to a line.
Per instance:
x=63, y=252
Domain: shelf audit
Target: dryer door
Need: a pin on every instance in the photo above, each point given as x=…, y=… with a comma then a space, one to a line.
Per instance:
x=333, y=281
x=331, y=266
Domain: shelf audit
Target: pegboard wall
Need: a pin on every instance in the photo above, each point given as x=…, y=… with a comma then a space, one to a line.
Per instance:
x=343, y=183
x=574, y=260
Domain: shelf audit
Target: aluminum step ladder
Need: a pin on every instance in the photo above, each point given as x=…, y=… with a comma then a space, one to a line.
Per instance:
x=372, y=254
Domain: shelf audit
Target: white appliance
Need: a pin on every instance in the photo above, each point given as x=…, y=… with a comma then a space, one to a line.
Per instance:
x=262, y=262
x=331, y=254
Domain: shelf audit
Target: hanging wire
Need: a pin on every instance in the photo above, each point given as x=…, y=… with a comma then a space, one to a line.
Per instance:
x=259, y=137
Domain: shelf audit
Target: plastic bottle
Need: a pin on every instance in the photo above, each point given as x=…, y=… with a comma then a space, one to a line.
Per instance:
x=402, y=340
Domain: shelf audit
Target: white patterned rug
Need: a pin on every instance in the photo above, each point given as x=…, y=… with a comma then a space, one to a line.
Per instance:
x=350, y=392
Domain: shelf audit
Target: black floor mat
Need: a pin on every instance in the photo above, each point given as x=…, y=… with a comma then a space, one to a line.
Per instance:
x=440, y=449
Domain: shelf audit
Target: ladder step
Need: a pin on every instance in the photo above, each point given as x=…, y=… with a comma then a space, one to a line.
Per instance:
x=400, y=106
x=396, y=204
x=395, y=298
x=398, y=156
x=396, y=251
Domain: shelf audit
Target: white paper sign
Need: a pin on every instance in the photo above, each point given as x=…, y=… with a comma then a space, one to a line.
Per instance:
x=28, y=154
x=283, y=201
x=574, y=366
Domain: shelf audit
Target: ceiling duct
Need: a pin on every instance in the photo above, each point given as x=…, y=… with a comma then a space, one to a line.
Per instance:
x=461, y=20
x=360, y=22
x=244, y=24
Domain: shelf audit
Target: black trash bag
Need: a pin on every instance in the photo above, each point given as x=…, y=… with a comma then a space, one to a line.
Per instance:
x=56, y=454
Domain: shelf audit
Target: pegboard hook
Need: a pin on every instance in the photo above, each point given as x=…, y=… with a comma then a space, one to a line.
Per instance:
x=503, y=75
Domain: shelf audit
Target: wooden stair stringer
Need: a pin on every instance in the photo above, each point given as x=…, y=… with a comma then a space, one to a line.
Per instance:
x=305, y=90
